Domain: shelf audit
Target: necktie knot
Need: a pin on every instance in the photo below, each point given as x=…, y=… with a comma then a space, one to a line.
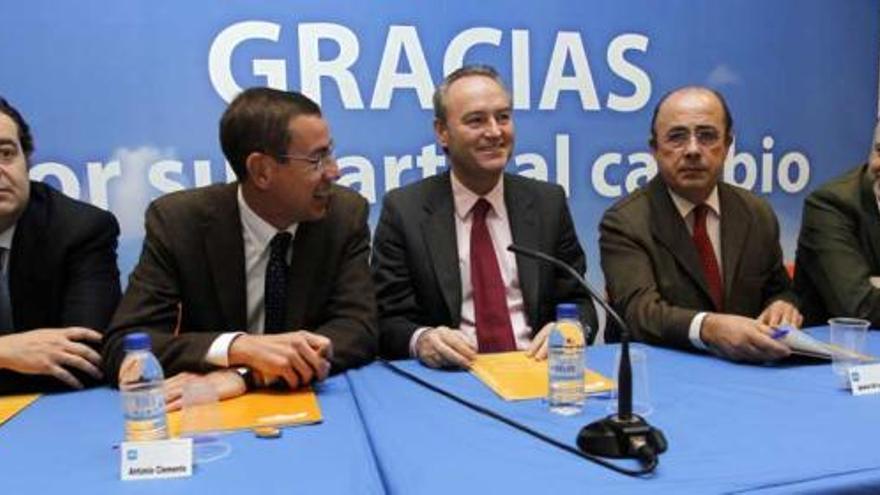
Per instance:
x=480, y=209
x=279, y=244
x=700, y=213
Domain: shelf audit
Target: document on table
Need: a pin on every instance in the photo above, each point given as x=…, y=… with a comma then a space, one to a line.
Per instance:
x=515, y=376
x=13, y=404
x=805, y=344
x=262, y=408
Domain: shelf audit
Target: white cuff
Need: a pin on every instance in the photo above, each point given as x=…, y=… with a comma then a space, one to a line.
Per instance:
x=415, y=338
x=218, y=353
x=694, y=331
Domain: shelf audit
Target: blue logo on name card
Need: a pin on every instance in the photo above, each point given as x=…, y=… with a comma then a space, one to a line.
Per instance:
x=854, y=376
x=131, y=455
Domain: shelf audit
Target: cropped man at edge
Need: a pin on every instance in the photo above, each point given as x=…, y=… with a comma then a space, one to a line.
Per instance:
x=261, y=281
x=690, y=261
x=59, y=283
x=446, y=286
x=838, y=256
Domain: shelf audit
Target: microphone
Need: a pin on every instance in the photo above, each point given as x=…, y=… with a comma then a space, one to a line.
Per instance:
x=621, y=435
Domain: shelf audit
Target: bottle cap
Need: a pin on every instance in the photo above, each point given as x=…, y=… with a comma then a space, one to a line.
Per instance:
x=566, y=311
x=137, y=341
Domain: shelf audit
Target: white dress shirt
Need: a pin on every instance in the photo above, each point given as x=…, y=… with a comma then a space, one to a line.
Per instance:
x=257, y=235
x=498, y=225
x=713, y=230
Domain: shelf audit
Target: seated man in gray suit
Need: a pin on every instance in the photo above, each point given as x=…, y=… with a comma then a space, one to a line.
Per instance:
x=690, y=261
x=59, y=283
x=838, y=256
x=445, y=283
x=263, y=278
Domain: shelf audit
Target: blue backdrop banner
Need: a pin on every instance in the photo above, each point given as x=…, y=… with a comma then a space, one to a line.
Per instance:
x=124, y=97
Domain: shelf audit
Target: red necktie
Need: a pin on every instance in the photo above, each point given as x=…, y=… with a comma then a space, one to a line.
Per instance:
x=494, y=332
x=707, y=256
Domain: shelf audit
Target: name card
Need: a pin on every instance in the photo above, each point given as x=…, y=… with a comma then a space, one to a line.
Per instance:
x=865, y=379
x=156, y=459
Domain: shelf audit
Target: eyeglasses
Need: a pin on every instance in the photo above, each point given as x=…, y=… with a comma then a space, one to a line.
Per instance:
x=316, y=163
x=678, y=138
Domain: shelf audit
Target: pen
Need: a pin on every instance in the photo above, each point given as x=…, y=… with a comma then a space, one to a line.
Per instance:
x=780, y=332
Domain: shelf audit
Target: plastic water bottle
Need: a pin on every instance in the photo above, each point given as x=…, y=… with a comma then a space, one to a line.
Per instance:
x=140, y=382
x=566, y=362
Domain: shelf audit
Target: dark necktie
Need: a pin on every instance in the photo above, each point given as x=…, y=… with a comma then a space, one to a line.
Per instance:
x=707, y=256
x=494, y=331
x=5, y=299
x=275, y=296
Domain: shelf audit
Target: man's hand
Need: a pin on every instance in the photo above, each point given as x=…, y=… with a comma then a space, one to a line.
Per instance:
x=779, y=312
x=48, y=351
x=741, y=339
x=227, y=384
x=538, y=348
x=442, y=347
x=296, y=357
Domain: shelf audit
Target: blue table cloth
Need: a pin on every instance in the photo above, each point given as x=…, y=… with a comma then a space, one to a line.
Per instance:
x=731, y=428
x=64, y=443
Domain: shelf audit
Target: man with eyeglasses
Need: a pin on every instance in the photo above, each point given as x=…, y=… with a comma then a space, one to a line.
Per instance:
x=261, y=281
x=690, y=261
x=59, y=283
x=838, y=254
x=446, y=285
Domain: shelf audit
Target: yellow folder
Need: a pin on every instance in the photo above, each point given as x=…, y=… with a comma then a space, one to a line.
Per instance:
x=515, y=376
x=262, y=408
x=13, y=404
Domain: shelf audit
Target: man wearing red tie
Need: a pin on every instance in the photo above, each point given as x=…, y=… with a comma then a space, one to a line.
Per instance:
x=446, y=285
x=690, y=261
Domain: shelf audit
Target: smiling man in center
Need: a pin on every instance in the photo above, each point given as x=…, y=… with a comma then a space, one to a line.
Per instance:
x=446, y=286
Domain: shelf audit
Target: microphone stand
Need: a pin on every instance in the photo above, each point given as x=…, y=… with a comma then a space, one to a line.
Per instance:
x=621, y=435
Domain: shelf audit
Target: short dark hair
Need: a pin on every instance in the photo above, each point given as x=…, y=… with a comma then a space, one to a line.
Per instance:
x=728, y=119
x=461, y=73
x=24, y=132
x=257, y=120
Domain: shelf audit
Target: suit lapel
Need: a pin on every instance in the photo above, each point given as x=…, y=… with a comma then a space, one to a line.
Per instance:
x=224, y=246
x=438, y=231
x=28, y=244
x=524, y=231
x=669, y=229
x=308, y=248
x=736, y=221
x=872, y=217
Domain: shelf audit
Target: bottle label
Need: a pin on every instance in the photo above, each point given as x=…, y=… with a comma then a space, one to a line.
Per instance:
x=145, y=404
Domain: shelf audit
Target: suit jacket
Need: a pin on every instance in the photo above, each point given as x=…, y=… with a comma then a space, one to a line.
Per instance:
x=653, y=272
x=839, y=250
x=62, y=272
x=193, y=267
x=415, y=258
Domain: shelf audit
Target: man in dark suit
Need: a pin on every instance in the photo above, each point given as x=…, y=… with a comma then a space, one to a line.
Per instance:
x=265, y=278
x=838, y=256
x=445, y=283
x=59, y=283
x=692, y=262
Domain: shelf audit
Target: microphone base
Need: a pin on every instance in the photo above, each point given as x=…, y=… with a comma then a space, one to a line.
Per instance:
x=614, y=437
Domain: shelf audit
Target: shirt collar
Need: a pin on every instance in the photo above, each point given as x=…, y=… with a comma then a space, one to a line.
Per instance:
x=685, y=207
x=6, y=237
x=465, y=199
x=260, y=230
